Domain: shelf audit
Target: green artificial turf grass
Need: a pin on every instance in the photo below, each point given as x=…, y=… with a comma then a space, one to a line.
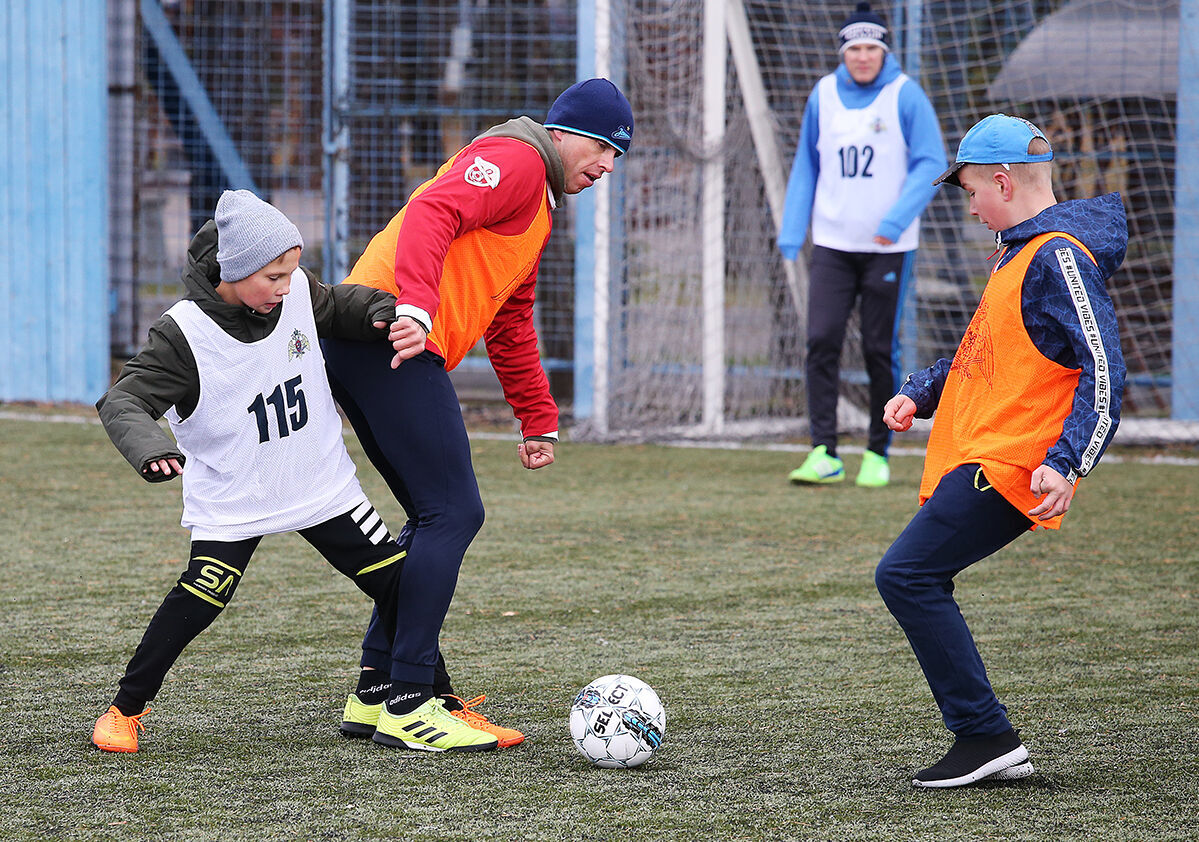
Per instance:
x=795, y=708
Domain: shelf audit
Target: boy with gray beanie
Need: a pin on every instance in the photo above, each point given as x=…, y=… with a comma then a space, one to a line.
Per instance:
x=237, y=370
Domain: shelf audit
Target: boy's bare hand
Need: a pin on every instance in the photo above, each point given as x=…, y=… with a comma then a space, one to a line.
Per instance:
x=899, y=412
x=536, y=454
x=1058, y=493
x=407, y=337
x=163, y=466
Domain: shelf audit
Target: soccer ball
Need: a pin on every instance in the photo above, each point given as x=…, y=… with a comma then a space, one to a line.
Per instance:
x=617, y=722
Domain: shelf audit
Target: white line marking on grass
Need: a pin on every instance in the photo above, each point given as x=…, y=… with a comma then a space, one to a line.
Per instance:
x=778, y=447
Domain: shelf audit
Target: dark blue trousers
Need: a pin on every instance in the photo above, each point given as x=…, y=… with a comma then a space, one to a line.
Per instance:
x=965, y=520
x=878, y=284
x=410, y=425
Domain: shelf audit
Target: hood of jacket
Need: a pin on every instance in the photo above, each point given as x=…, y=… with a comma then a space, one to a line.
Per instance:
x=536, y=135
x=200, y=279
x=1099, y=223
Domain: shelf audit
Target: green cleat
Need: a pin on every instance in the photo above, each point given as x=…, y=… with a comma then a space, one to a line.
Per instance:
x=875, y=472
x=430, y=728
x=819, y=468
x=358, y=719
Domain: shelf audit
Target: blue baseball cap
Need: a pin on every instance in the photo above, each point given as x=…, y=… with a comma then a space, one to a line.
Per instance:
x=997, y=139
x=594, y=108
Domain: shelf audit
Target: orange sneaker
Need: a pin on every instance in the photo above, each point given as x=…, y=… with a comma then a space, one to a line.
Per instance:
x=468, y=714
x=115, y=731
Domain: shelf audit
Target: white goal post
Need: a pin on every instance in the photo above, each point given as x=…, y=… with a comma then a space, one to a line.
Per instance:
x=695, y=322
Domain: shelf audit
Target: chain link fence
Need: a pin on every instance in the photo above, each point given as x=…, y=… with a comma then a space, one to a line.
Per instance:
x=211, y=94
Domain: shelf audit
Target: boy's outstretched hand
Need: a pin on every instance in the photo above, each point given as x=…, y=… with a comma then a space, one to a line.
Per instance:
x=899, y=412
x=1058, y=493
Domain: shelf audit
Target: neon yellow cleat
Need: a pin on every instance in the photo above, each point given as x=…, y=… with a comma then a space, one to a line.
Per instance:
x=358, y=719
x=875, y=472
x=819, y=468
x=430, y=728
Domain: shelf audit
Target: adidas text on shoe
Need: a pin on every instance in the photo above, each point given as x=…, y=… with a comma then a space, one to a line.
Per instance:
x=819, y=468
x=430, y=728
x=971, y=759
x=505, y=737
x=116, y=732
x=875, y=472
x=358, y=719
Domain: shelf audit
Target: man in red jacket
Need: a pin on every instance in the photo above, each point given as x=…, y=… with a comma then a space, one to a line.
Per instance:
x=461, y=257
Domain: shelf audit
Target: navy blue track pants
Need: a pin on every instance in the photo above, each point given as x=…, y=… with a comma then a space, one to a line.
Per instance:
x=964, y=521
x=410, y=425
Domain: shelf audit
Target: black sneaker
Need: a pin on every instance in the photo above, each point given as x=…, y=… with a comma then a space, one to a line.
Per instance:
x=1012, y=773
x=973, y=758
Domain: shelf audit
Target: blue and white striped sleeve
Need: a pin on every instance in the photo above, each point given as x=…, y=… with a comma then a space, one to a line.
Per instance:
x=1075, y=324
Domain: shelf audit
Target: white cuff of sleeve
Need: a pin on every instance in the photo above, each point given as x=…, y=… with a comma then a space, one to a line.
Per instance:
x=416, y=313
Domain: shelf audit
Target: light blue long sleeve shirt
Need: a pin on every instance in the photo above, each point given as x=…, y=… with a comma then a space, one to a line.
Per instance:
x=926, y=157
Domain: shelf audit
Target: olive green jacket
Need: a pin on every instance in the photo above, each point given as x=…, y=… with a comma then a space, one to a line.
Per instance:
x=164, y=374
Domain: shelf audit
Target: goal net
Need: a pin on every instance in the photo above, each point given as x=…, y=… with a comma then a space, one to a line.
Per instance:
x=707, y=338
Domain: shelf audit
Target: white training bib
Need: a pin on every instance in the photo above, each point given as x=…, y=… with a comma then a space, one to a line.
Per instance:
x=264, y=446
x=863, y=165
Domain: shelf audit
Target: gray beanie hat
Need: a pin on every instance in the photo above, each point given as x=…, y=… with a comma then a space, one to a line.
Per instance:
x=250, y=234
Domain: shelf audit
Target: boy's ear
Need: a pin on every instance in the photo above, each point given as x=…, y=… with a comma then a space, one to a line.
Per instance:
x=1003, y=180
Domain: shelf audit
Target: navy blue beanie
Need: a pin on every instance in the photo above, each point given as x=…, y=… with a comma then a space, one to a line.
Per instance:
x=594, y=108
x=864, y=26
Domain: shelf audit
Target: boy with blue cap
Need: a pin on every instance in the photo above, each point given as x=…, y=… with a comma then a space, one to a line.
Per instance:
x=1026, y=407
x=461, y=258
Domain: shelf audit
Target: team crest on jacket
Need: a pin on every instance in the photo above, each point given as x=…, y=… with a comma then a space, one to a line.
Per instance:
x=483, y=174
x=297, y=345
x=878, y=126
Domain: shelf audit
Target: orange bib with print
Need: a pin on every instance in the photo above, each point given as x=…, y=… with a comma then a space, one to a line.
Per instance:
x=1004, y=403
x=481, y=270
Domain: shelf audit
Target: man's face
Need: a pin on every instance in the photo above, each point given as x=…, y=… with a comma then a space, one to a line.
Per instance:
x=584, y=159
x=864, y=62
x=264, y=290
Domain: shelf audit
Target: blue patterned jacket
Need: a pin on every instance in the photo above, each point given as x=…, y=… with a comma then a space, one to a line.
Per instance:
x=1053, y=324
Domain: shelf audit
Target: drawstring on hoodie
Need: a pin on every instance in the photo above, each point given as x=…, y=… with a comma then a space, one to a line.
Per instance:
x=998, y=247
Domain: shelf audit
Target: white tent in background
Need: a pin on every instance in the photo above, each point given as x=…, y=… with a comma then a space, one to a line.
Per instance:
x=1095, y=49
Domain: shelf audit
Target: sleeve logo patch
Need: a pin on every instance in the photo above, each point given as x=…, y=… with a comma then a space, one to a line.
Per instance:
x=483, y=174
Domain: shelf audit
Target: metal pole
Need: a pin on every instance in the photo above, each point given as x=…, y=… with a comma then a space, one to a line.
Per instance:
x=336, y=139
x=1184, y=397
x=715, y=65
x=122, y=81
x=603, y=234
